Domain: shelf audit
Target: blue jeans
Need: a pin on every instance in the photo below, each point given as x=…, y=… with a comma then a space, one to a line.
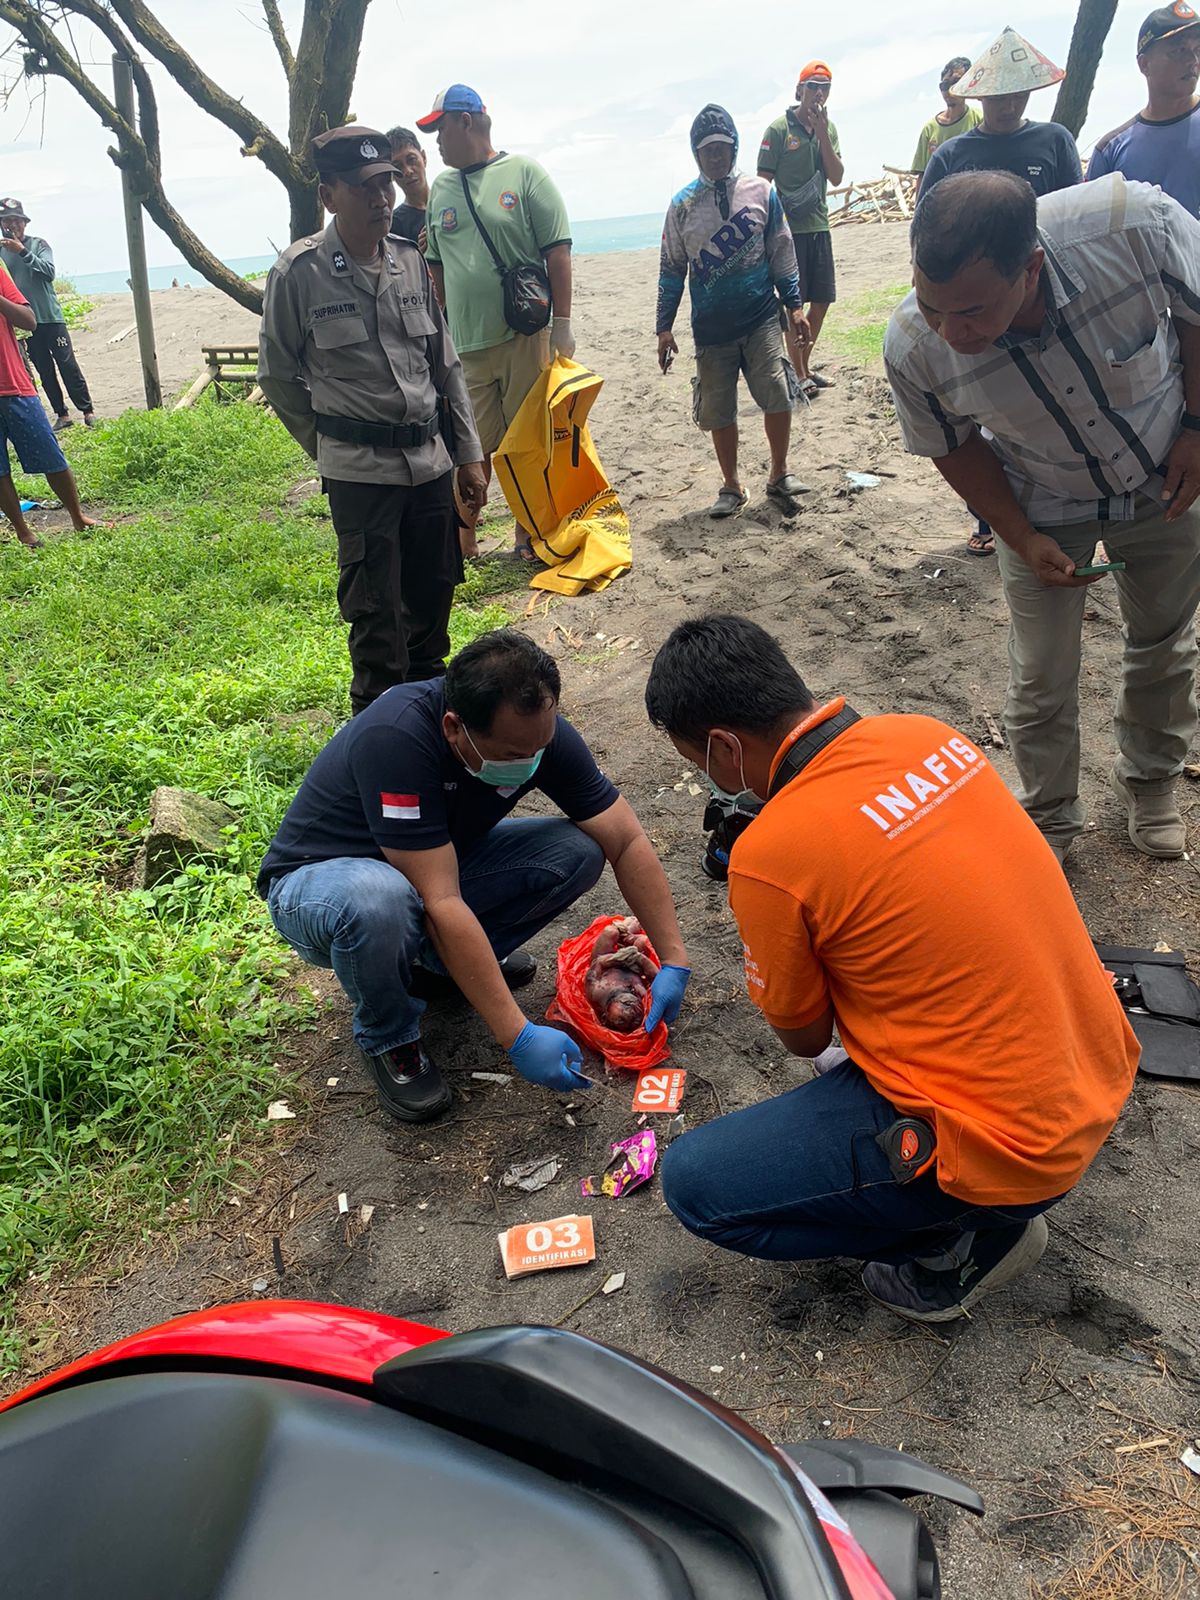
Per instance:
x=800, y=1178
x=365, y=920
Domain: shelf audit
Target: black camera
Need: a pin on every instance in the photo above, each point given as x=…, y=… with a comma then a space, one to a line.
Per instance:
x=723, y=827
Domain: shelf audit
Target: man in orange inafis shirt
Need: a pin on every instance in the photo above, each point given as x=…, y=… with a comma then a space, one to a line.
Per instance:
x=985, y=1056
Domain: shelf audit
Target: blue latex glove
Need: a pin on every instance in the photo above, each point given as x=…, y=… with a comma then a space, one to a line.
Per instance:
x=548, y=1057
x=666, y=995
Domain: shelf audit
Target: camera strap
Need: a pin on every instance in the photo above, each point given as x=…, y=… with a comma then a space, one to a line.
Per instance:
x=811, y=744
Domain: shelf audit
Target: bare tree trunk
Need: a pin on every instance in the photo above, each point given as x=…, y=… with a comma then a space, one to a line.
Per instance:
x=323, y=76
x=1092, y=22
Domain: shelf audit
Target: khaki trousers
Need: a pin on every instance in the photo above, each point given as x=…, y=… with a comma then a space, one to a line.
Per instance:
x=1155, y=713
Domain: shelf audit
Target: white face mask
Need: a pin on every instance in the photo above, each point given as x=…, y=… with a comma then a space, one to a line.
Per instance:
x=745, y=801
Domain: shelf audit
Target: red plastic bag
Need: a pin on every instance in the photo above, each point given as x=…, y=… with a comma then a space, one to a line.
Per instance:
x=571, y=1006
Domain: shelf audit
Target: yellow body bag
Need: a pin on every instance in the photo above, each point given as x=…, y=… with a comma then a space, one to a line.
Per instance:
x=555, y=486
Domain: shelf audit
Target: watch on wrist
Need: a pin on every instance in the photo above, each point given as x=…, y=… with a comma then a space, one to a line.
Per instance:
x=1190, y=421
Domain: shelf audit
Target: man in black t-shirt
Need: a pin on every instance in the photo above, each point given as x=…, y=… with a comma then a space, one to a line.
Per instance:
x=1002, y=80
x=408, y=220
x=398, y=865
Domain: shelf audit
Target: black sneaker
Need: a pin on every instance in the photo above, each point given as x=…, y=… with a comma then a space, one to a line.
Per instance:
x=518, y=969
x=924, y=1295
x=410, y=1085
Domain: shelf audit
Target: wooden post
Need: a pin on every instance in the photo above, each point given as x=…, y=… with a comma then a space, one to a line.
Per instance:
x=135, y=233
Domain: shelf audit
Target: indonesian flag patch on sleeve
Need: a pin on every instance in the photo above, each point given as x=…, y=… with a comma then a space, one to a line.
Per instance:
x=400, y=807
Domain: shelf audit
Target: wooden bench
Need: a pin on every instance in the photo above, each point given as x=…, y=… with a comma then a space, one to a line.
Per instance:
x=230, y=369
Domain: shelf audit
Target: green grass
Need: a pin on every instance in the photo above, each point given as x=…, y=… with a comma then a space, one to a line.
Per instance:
x=854, y=328
x=138, y=1029
x=75, y=308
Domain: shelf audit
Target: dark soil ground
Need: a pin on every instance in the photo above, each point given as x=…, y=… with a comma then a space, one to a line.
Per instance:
x=1038, y=1397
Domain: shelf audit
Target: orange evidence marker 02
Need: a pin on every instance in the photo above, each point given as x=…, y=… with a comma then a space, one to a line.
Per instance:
x=660, y=1089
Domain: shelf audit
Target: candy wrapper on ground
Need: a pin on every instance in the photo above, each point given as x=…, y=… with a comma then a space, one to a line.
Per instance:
x=632, y=1164
x=572, y=1007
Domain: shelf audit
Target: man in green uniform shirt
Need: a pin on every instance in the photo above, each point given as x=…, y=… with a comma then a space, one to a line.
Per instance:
x=525, y=218
x=956, y=117
x=801, y=155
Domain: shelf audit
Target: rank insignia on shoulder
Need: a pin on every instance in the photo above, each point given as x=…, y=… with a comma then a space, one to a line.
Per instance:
x=339, y=262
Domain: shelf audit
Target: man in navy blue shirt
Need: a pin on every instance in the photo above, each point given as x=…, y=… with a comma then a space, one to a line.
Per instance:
x=1161, y=145
x=398, y=865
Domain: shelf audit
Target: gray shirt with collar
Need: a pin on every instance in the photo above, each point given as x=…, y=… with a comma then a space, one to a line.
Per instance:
x=1082, y=414
x=343, y=340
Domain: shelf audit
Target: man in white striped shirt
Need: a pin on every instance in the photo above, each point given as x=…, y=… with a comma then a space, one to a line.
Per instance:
x=1069, y=329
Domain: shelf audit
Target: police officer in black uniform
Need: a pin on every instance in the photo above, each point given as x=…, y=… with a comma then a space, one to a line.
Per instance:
x=356, y=359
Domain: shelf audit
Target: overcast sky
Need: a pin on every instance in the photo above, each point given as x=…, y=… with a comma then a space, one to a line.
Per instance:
x=602, y=93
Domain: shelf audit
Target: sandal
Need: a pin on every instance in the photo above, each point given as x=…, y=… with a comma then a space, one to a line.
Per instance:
x=728, y=503
x=524, y=552
x=784, y=491
x=981, y=544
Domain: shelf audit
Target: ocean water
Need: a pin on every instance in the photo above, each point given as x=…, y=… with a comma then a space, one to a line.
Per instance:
x=597, y=237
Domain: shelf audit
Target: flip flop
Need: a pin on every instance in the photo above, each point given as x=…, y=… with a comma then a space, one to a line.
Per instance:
x=981, y=544
x=818, y=382
x=783, y=491
x=32, y=544
x=729, y=503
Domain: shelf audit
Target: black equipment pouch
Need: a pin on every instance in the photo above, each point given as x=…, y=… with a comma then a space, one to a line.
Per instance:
x=1163, y=1007
x=909, y=1144
x=526, y=287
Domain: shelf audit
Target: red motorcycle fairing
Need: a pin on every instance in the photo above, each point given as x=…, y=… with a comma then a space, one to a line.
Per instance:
x=336, y=1342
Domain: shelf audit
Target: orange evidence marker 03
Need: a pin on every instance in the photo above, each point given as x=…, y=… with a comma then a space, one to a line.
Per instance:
x=538, y=1246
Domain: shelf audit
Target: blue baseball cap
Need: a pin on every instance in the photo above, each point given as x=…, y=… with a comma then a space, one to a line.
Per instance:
x=458, y=97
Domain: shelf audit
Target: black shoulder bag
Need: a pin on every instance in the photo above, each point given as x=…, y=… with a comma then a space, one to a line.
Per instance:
x=526, y=286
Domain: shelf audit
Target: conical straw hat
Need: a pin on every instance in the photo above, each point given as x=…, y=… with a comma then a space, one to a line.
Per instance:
x=1008, y=66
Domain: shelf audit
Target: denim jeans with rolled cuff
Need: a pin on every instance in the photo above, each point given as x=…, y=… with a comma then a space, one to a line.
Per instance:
x=363, y=918
x=800, y=1178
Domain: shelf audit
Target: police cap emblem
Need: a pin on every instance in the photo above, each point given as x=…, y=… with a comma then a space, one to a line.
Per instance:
x=368, y=151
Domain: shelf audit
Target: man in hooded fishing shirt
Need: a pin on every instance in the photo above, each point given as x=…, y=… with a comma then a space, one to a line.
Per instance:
x=726, y=236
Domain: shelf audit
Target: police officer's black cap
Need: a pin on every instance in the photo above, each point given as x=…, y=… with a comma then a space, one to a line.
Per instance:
x=353, y=153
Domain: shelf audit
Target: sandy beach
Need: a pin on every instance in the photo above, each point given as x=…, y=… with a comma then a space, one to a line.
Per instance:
x=873, y=594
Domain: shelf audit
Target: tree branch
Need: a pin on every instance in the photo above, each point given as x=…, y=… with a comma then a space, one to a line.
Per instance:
x=279, y=35
x=194, y=251
x=36, y=32
x=131, y=154
x=101, y=18
x=209, y=96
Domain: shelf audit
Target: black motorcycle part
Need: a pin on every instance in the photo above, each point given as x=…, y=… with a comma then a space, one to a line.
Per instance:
x=868, y=1485
x=561, y=1401
x=220, y=1486
x=837, y=1464
x=897, y=1541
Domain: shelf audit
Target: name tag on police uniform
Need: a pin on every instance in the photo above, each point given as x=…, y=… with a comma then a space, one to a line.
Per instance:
x=335, y=308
